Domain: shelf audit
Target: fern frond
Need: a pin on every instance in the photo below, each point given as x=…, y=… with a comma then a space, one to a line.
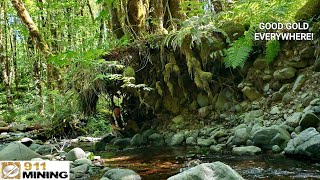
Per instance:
x=238, y=53
x=272, y=50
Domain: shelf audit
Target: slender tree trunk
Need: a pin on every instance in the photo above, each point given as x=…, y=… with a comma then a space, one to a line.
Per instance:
x=34, y=34
x=5, y=65
x=115, y=22
x=33, y=29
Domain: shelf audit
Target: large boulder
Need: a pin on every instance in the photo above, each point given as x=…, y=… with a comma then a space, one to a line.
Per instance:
x=251, y=93
x=121, y=174
x=122, y=143
x=307, y=143
x=241, y=137
x=100, y=145
x=285, y=73
x=202, y=100
x=138, y=140
x=247, y=150
x=266, y=137
x=177, y=139
x=293, y=120
x=309, y=120
x=16, y=151
x=74, y=154
x=205, y=142
x=216, y=170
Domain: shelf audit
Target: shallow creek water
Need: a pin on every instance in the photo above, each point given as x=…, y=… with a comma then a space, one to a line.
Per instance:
x=157, y=163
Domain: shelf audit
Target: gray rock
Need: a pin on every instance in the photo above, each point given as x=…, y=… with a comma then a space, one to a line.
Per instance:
x=148, y=132
x=206, y=171
x=82, y=161
x=138, y=140
x=155, y=137
x=121, y=174
x=100, y=145
x=307, y=100
x=204, y=111
x=309, y=120
x=240, y=137
x=307, y=143
x=251, y=93
x=267, y=137
x=44, y=149
x=202, y=100
x=191, y=141
x=260, y=63
x=226, y=96
x=216, y=148
x=80, y=169
x=293, y=120
x=122, y=143
x=275, y=110
x=250, y=116
x=177, y=139
x=315, y=102
x=17, y=151
x=276, y=149
x=178, y=119
x=74, y=154
x=297, y=62
x=247, y=150
x=204, y=142
x=301, y=79
x=285, y=73
x=287, y=98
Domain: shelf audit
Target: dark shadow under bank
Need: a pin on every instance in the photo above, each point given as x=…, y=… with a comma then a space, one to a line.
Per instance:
x=157, y=163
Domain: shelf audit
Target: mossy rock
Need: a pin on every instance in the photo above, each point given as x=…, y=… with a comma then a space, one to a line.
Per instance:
x=171, y=104
x=234, y=30
x=309, y=10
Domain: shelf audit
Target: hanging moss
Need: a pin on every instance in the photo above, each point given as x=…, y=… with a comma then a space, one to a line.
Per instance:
x=201, y=78
x=159, y=88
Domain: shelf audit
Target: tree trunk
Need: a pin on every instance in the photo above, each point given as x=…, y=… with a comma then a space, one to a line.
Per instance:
x=137, y=14
x=5, y=64
x=33, y=29
x=157, y=16
x=115, y=22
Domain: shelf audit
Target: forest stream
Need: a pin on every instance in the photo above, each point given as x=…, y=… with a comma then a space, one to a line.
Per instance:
x=157, y=163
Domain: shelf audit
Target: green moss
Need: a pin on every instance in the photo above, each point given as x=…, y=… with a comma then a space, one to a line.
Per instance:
x=309, y=10
x=171, y=104
x=129, y=72
x=233, y=30
x=159, y=88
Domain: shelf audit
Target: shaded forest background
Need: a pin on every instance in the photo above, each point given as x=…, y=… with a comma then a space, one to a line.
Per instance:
x=64, y=72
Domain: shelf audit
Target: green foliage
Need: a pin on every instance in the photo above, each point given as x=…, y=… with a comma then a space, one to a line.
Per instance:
x=192, y=8
x=251, y=13
x=239, y=50
x=98, y=125
x=272, y=50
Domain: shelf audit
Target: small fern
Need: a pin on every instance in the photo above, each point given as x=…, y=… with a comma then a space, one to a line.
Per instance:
x=240, y=50
x=272, y=50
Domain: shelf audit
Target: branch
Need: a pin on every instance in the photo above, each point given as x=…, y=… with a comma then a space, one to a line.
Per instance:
x=32, y=27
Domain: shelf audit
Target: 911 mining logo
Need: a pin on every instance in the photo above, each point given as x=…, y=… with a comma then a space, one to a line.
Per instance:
x=34, y=170
x=10, y=170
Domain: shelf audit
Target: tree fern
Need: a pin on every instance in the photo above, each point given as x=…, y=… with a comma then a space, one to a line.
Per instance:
x=272, y=50
x=240, y=50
